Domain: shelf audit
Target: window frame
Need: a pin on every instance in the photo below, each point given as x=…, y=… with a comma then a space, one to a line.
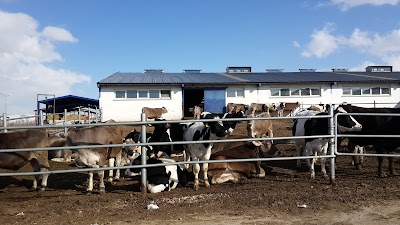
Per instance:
x=296, y=92
x=140, y=94
x=366, y=91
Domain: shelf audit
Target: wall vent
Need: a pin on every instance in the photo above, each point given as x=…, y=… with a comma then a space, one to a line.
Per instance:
x=154, y=71
x=191, y=71
x=238, y=69
x=307, y=70
x=379, y=69
x=274, y=70
x=339, y=70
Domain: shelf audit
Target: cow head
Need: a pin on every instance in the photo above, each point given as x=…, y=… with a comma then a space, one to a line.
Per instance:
x=346, y=123
x=230, y=125
x=217, y=128
x=267, y=149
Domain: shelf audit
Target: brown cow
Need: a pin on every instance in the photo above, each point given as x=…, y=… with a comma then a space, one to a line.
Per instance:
x=260, y=128
x=291, y=107
x=97, y=157
x=259, y=107
x=236, y=107
x=152, y=113
x=65, y=155
x=234, y=171
x=20, y=139
x=197, y=110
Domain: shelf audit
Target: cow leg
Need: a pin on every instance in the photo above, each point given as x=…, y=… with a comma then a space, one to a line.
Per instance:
x=90, y=182
x=205, y=176
x=102, y=187
x=312, y=171
x=110, y=172
x=299, y=153
x=118, y=160
x=323, y=169
x=391, y=167
x=355, y=159
x=36, y=168
x=381, y=173
x=196, y=170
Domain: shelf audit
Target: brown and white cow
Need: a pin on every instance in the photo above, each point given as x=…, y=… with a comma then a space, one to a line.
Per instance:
x=197, y=110
x=97, y=157
x=260, y=128
x=291, y=107
x=234, y=171
x=34, y=138
x=258, y=108
x=153, y=113
x=64, y=155
x=236, y=107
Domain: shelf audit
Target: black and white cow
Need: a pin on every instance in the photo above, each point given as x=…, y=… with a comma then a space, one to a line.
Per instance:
x=376, y=125
x=320, y=126
x=197, y=152
x=161, y=178
x=229, y=125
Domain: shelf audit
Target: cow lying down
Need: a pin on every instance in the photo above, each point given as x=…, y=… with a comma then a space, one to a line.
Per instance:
x=161, y=178
x=235, y=171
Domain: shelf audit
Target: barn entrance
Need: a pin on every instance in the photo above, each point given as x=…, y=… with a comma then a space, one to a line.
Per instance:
x=210, y=99
x=192, y=97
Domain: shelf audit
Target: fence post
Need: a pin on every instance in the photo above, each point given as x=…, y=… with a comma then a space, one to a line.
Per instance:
x=41, y=118
x=143, y=156
x=332, y=145
x=65, y=120
x=5, y=122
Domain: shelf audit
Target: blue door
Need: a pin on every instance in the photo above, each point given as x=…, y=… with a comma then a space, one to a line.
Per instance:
x=214, y=100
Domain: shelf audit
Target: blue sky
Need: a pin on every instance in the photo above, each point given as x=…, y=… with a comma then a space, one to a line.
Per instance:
x=65, y=47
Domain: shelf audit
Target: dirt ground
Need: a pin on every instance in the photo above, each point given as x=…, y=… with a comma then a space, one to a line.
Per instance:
x=284, y=196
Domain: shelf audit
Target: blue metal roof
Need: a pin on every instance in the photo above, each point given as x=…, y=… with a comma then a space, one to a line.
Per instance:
x=247, y=78
x=69, y=102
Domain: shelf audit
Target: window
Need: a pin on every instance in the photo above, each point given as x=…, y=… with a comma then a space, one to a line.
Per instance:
x=120, y=94
x=143, y=93
x=235, y=92
x=284, y=92
x=153, y=94
x=361, y=91
x=131, y=94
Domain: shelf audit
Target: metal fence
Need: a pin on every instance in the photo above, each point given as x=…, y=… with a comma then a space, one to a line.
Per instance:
x=332, y=151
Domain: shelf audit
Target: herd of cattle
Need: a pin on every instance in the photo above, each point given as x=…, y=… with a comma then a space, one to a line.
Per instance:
x=165, y=176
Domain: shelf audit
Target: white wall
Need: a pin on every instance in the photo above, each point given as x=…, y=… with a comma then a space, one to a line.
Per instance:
x=122, y=110
x=130, y=109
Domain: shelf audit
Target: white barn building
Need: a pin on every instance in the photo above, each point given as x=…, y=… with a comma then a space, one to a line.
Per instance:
x=123, y=95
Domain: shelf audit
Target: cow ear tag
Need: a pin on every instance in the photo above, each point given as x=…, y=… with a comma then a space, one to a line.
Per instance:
x=207, y=125
x=147, y=158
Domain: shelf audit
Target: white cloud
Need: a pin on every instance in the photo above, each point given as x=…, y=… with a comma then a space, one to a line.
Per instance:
x=322, y=43
x=58, y=34
x=296, y=44
x=385, y=47
x=26, y=54
x=347, y=4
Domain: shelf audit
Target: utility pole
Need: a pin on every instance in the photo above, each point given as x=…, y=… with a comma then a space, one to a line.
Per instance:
x=5, y=101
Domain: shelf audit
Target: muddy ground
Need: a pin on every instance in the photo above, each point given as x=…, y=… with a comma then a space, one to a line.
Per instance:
x=284, y=196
